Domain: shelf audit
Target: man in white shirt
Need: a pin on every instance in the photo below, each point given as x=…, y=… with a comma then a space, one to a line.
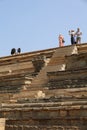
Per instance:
x=78, y=36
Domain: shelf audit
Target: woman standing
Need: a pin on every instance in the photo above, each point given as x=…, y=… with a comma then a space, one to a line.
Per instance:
x=61, y=40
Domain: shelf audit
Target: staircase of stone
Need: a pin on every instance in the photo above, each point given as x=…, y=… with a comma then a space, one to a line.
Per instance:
x=34, y=87
x=55, y=108
x=57, y=63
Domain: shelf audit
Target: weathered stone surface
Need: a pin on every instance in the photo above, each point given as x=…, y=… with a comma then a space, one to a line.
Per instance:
x=2, y=123
x=44, y=94
x=76, y=61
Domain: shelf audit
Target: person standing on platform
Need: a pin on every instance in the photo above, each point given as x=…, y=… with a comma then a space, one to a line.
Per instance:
x=19, y=50
x=13, y=51
x=72, y=34
x=78, y=36
x=61, y=40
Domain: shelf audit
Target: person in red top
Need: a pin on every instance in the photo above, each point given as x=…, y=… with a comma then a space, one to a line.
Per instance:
x=61, y=40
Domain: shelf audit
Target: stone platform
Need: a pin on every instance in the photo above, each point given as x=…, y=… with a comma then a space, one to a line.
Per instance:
x=44, y=90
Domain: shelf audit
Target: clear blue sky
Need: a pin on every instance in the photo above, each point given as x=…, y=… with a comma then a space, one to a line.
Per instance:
x=35, y=24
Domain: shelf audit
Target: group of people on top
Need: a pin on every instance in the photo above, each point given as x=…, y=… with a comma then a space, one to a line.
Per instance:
x=75, y=37
x=14, y=51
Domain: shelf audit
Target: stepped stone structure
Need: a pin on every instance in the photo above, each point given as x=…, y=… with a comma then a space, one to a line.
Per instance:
x=44, y=90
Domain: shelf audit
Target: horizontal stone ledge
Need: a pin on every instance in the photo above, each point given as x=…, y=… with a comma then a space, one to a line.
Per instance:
x=71, y=90
x=27, y=55
x=50, y=127
x=47, y=118
x=44, y=108
x=65, y=72
x=47, y=104
x=58, y=99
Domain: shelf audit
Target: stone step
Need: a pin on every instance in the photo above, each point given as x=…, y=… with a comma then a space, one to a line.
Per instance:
x=69, y=92
x=17, y=66
x=41, y=80
x=67, y=84
x=53, y=99
x=5, y=97
x=66, y=50
x=46, y=93
x=69, y=105
x=45, y=127
x=82, y=48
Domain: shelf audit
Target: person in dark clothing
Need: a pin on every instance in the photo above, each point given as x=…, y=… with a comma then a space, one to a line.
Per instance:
x=13, y=51
x=19, y=50
x=72, y=34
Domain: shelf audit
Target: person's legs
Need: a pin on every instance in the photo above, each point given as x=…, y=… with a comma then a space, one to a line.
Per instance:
x=78, y=40
x=72, y=40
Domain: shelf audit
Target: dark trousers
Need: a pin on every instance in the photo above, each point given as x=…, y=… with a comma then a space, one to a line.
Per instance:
x=73, y=40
